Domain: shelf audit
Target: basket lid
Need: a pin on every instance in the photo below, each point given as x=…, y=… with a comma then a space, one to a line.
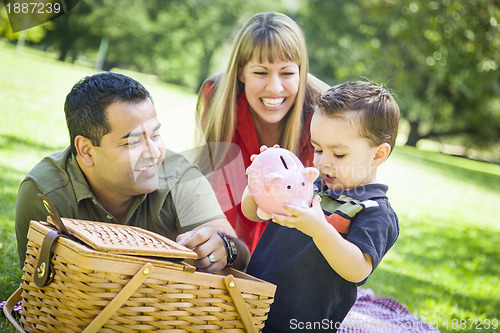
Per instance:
x=124, y=239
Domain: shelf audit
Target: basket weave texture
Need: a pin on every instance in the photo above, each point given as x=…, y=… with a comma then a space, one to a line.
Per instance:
x=125, y=239
x=172, y=298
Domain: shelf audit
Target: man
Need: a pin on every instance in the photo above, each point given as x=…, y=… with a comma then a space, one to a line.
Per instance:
x=117, y=170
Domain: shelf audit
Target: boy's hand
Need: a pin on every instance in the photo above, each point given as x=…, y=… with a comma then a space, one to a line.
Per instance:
x=307, y=220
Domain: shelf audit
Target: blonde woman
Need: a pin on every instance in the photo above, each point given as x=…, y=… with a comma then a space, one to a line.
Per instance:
x=265, y=97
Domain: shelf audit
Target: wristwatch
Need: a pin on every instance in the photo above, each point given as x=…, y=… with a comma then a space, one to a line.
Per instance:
x=232, y=252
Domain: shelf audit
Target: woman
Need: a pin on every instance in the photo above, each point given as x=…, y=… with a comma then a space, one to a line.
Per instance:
x=265, y=97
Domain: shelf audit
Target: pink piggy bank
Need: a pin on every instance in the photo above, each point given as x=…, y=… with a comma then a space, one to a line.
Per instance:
x=277, y=176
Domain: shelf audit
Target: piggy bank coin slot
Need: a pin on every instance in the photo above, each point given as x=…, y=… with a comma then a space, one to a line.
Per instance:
x=284, y=163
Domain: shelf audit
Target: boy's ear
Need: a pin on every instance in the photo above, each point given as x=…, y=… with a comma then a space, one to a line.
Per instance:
x=84, y=150
x=382, y=151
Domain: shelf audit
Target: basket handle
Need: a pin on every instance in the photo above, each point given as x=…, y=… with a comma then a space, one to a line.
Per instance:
x=9, y=306
x=124, y=294
x=44, y=272
x=54, y=215
x=239, y=304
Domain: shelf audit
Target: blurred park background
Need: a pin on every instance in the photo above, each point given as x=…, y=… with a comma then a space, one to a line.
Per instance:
x=440, y=59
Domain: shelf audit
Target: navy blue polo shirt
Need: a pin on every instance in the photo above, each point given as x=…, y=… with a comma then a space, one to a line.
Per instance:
x=310, y=295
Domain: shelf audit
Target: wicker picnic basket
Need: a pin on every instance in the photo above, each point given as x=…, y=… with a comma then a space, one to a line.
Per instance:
x=103, y=286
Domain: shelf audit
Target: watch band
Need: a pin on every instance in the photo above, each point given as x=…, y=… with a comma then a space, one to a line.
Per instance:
x=231, y=250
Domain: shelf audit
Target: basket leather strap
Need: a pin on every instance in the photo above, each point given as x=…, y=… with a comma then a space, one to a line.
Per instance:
x=124, y=294
x=9, y=306
x=239, y=304
x=44, y=272
x=51, y=209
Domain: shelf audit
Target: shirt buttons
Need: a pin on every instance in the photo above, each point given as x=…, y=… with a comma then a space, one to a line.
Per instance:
x=109, y=217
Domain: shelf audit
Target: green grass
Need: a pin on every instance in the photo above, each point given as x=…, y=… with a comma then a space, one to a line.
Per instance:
x=444, y=266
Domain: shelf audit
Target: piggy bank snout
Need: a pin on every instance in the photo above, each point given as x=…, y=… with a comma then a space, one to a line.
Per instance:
x=288, y=188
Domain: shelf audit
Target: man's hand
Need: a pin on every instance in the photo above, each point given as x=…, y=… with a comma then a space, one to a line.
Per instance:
x=208, y=245
x=211, y=249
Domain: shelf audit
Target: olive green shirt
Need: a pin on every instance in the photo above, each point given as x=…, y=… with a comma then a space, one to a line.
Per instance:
x=183, y=200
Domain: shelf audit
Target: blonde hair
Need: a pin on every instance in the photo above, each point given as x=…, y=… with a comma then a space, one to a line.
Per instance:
x=266, y=36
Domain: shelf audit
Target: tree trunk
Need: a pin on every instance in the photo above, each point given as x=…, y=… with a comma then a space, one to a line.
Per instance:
x=414, y=136
x=67, y=39
x=205, y=66
x=63, y=51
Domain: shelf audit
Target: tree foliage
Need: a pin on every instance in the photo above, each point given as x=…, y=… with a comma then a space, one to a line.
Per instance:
x=440, y=57
x=33, y=35
x=173, y=39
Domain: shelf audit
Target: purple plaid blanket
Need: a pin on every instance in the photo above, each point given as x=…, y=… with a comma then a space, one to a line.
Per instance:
x=368, y=315
x=17, y=307
x=377, y=314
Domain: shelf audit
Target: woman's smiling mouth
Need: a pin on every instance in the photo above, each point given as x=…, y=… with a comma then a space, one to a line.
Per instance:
x=272, y=103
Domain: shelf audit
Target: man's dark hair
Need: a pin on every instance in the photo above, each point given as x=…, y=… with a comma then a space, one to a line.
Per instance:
x=86, y=104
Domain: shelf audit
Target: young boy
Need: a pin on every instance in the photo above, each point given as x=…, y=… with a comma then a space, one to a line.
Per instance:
x=320, y=255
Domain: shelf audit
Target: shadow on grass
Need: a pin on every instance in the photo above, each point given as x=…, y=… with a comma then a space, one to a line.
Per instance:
x=10, y=173
x=419, y=295
x=452, y=167
x=470, y=253
x=12, y=142
x=10, y=179
x=453, y=269
x=10, y=274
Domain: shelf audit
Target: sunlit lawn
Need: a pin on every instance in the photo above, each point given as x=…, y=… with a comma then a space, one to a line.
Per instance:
x=445, y=265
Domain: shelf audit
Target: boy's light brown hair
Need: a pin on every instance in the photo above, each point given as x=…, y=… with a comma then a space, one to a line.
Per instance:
x=372, y=107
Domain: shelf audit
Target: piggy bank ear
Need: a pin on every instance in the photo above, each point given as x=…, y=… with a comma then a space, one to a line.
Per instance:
x=270, y=179
x=310, y=173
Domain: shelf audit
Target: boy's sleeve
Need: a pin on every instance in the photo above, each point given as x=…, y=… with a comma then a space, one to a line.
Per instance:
x=374, y=231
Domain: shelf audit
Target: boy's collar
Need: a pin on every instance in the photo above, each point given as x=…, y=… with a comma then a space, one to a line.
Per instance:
x=365, y=192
